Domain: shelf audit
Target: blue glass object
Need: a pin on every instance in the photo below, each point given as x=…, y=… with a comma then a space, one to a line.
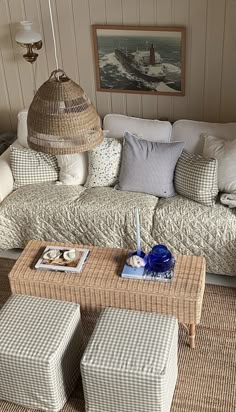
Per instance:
x=159, y=259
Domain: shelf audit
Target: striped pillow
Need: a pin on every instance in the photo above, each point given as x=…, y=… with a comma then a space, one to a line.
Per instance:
x=196, y=178
x=30, y=167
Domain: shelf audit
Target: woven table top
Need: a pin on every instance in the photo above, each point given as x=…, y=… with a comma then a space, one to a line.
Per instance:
x=103, y=268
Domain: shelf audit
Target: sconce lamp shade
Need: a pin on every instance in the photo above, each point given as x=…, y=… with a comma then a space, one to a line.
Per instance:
x=26, y=35
x=61, y=118
x=30, y=39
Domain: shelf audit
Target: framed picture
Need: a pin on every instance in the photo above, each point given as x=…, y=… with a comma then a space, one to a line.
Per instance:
x=140, y=59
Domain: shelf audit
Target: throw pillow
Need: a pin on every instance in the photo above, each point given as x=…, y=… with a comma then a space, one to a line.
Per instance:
x=225, y=152
x=104, y=163
x=29, y=167
x=196, y=178
x=148, y=167
x=73, y=168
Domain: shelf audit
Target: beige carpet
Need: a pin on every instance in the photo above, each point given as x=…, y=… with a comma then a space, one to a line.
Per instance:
x=207, y=375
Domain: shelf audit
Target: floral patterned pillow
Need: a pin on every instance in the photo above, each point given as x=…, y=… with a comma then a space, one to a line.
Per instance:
x=104, y=163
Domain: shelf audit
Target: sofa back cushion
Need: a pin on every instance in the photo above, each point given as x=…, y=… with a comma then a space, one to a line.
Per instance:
x=225, y=152
x=190, y=132
x=152, y=130
x=6, y=177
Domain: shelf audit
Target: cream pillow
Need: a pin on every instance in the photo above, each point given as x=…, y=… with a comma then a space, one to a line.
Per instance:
x=224, y=151
x=22, y=131
x=73, y=168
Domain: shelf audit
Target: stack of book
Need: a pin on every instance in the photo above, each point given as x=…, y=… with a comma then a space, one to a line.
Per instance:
x=130, y=272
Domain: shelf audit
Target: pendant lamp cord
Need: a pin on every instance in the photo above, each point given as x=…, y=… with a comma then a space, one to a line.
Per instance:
x=34, y=66
x=53, y=34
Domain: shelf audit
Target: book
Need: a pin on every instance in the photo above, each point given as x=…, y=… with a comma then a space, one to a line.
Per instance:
x=63, y=259
x=130, y=272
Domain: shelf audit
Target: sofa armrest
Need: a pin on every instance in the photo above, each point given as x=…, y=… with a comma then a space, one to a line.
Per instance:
x=6, y=178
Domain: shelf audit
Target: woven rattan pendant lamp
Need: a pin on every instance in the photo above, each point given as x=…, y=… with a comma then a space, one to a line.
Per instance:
x=61, y=118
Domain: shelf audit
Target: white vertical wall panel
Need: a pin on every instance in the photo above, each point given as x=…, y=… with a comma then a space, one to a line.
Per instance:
x=67, y=38
x=131, y=17
x=47, y=31
x=180, y=15
x=228, y=85
x=9, y=66
x=210, y=55
x=213, y=61
x=83, y=39
x=198, y=25
x=148, y=17
x=98, y=16
x=33, y=13
x=114, y=16
x=164, y=18
x=16, y=12
x=5, y=108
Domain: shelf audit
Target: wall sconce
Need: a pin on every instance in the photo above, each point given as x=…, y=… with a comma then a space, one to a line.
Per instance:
x=29, y=39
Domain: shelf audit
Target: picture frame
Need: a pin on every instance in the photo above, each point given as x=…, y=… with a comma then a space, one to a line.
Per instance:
x=140, y=59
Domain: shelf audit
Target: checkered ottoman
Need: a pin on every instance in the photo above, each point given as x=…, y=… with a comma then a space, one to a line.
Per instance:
x=130, y=363
x=40, y=348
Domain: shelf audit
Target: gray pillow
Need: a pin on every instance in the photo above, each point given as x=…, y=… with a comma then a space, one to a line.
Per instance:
x=148, y=167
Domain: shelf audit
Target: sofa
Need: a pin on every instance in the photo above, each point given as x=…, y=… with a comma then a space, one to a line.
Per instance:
x=105, y=216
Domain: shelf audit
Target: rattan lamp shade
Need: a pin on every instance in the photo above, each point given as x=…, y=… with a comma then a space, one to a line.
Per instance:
x=61, y=118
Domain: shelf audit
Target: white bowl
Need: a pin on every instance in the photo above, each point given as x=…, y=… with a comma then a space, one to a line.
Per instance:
x=69, y=255
x=52, y=254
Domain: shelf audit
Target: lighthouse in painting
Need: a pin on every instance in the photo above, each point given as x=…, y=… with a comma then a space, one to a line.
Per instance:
x=152, y=56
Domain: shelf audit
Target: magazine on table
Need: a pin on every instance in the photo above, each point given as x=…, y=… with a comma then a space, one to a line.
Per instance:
x=63, y=259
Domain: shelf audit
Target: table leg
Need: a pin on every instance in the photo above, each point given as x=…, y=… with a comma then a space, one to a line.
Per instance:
x=192, y=328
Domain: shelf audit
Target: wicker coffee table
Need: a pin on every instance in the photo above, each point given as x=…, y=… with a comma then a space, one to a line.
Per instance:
x=99, y=284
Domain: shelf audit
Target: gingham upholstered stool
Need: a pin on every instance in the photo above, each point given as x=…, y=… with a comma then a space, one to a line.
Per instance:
x=40, y=343
x=130, y=363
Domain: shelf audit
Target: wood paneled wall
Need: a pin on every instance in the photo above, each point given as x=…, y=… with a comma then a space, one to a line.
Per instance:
x=210, y=55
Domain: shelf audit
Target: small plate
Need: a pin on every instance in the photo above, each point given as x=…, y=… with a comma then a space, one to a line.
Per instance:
x=69, y=255
x=52, y=254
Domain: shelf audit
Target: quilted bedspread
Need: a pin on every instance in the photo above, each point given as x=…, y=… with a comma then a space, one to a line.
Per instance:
x=105, y=217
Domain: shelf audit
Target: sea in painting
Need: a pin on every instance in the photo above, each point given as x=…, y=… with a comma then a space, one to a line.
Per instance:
x=141, y=63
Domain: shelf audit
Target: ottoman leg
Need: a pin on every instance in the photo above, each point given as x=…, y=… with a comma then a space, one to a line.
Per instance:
x=192, y=328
